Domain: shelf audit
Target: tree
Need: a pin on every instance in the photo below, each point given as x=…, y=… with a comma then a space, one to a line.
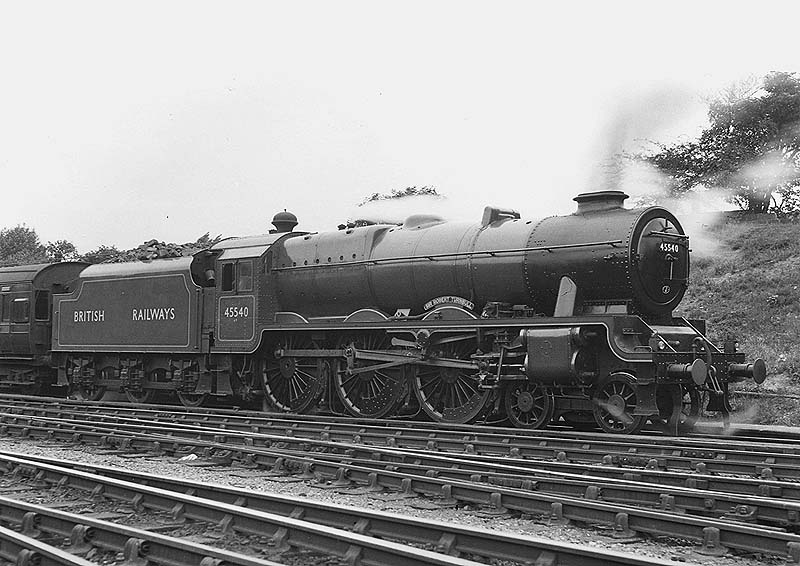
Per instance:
x=61, y=250
x=751, y=148
x=20, y=245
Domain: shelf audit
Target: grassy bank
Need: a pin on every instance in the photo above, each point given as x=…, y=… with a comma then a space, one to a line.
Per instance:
x=747, y=283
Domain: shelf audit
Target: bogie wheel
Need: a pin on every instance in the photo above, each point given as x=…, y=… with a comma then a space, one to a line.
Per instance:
x=614, y=403
x=450, y=395
x=374, y=393
x=679, y=407
x=293, y=384
x=528, y=404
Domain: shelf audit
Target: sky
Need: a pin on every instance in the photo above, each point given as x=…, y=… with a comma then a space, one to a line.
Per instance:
x=121, y=122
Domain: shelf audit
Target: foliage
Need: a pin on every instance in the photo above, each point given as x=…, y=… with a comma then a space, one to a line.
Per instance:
x=752, y=146
x=20, y=245
x=747, y=286
x=61, y=250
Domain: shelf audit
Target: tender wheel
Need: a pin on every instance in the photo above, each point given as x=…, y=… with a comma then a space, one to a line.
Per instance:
x=371, y=394
x=192, y=399
x=143, y=396
x=450, y=395
x=146, y=395
x=614, y=404
x=679, y=408
x=92, y=391
x=293, y=384
x=528, y=404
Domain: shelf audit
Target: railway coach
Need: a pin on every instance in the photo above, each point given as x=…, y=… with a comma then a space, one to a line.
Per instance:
x=562, y=318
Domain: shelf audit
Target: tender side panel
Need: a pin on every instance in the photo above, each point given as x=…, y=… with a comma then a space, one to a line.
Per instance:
x=150, y=313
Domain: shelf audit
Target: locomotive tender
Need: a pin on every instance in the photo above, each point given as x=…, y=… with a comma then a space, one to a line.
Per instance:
x=567, y=317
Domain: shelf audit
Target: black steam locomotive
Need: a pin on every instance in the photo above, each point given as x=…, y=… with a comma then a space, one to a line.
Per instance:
x=565, y=318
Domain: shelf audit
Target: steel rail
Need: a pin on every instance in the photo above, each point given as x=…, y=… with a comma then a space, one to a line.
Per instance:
x=548, y=470
x=137, y=545
x=21, y=550
x=755, y=507
x=769, y=465
x=453, y=539
x=717, y=533
x=495, y=439
x=286, y=532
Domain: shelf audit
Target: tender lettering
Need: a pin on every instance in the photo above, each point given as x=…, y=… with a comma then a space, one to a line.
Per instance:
x=89, y=316
x=166, y=313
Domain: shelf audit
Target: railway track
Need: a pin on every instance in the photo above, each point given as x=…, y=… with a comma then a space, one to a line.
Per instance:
x=497, y=482
x=743, y=500
x=289, y=525
x=702, y=454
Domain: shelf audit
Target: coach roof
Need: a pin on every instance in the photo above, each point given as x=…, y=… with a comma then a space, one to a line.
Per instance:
x=42, y=275
x=138, y=268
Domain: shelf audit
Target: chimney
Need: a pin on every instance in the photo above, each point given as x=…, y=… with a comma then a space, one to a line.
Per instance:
x=600, y=200
x=284, y=222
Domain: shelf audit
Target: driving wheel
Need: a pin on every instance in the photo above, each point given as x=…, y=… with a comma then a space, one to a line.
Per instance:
x=293, y=384
x=448, y=394
x=371, y=393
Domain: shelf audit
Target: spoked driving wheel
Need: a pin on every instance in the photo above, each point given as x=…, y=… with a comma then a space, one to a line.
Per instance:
x=528, y=404
x=370, y=393
x=679, y=407
x=293, y=384
x=450, y=394
x=614, y=405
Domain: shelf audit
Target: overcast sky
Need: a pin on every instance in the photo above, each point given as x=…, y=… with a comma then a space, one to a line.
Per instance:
x=121, y=122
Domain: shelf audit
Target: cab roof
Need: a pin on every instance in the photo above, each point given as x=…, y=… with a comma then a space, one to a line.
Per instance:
x=249, y=246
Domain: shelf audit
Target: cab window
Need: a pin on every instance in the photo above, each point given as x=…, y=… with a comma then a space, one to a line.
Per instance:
x=228, y=278
x=41, y=308
x=245, y=276
x=20, y=310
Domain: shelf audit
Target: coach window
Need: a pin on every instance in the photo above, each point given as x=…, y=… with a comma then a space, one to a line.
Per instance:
x=20, y=310
x=6, y=309
x=41, y=308
x=245, y=275
x=227, y=276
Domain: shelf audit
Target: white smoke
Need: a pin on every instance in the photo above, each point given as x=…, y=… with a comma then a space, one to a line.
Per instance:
x=396, y=210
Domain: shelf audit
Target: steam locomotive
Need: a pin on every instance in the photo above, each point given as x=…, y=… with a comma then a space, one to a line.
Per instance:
x=566, y=318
